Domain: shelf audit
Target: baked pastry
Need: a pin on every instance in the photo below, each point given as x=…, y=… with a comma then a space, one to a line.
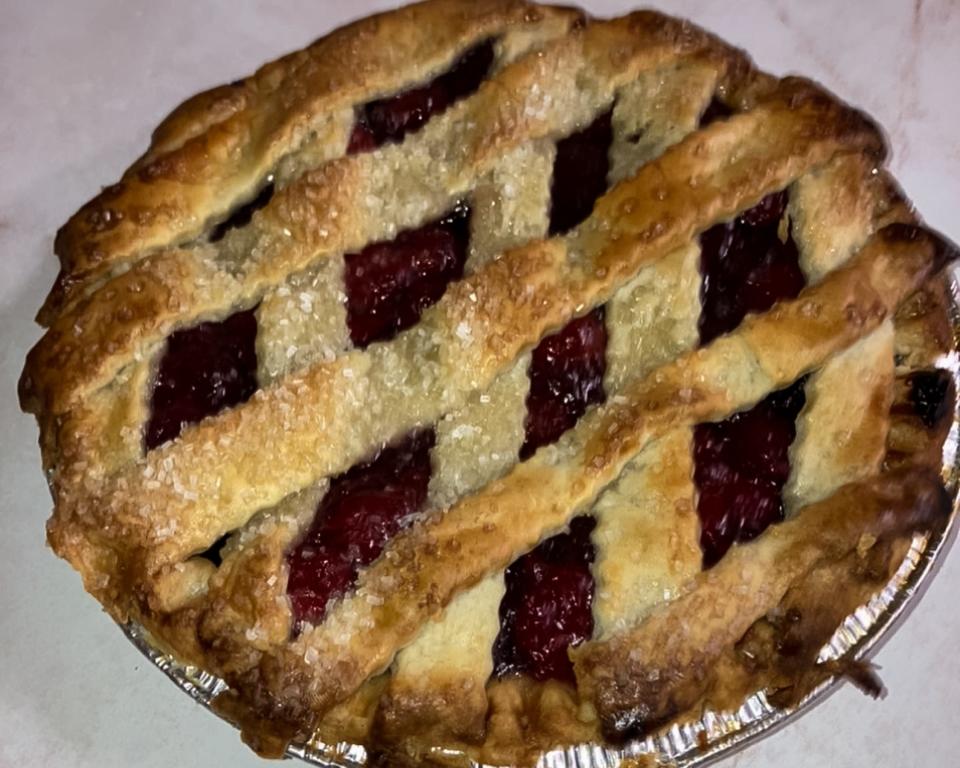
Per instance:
x=483, y=379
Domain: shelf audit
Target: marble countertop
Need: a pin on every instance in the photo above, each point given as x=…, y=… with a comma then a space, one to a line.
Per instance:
x=82, y=82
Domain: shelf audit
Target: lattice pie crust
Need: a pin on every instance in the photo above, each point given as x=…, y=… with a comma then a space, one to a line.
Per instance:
x=242, y=247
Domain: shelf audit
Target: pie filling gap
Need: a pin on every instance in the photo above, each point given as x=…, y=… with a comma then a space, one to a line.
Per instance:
x=242, y=215
x=389, y=284
x=361, y=511
x=929, y=395
x=547, y=603
x=580, y=168
x=202, y=370
x=391, y=118
x=740, y=467
x=742, y=463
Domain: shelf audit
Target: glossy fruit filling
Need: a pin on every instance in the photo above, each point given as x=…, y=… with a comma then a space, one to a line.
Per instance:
x=740, y=467
x=204, y=369
x=747, y=264
x=392, y=118
x=742, y=463
x=547, y=606
x=361, y=511
x=580, y=169
x=389, y=284
x=549, y=591
x=566, y=376
x=242, y=215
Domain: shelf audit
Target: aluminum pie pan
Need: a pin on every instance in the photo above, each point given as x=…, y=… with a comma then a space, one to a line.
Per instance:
x=716, y=734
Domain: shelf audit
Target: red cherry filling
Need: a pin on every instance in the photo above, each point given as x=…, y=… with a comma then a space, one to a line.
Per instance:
x=242, y=215
x=390, y=284
x=741, y=465
x=549, y=591
x=204, y=369
x=580, y=169
x=747, y=266
x=390, y=119
x=547, y=606
x=566, y=376
x=361, y=511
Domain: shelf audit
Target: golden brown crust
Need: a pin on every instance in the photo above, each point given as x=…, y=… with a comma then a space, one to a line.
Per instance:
x=780, y=651
x=328, y=211
x=425, y=566
x=842, y=431
x=647, y=676
x=136, y=267
x=216, y=149
x=191, y=479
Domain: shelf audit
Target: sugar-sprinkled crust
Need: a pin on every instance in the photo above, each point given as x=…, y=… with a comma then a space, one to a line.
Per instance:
x=401, y=662
x=217, y=149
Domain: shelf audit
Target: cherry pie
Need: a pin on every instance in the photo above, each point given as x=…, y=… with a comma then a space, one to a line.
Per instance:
x=485, y=378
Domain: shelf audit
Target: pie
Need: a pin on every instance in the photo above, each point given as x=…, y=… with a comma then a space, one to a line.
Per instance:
x=485, y=378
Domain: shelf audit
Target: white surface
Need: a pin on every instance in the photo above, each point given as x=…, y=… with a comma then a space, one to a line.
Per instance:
x=82, y=84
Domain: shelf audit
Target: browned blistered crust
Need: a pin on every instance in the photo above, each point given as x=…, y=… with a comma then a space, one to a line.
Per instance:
x=137, y=264
x=645, y=677
x=778, y=653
